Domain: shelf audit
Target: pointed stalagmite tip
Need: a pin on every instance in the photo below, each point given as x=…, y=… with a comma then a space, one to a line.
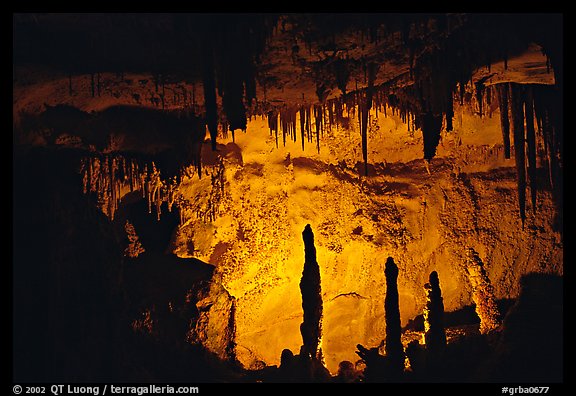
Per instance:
x=391, y=268
x=434, y=281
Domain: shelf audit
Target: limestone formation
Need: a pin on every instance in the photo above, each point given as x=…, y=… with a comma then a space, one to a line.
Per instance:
x=482, y=293
x=311, y=327
x=394, y=348
x=435, y=335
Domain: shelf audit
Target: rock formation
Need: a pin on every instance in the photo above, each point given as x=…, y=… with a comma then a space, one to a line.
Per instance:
x=394, y=348
x=311, y=327
x=434, y=333
x=482, y=293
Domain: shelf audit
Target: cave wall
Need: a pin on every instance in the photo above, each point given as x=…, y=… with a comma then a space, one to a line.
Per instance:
x=426, y=221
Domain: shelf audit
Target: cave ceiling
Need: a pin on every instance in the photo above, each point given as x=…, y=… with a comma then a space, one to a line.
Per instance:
x=284, y=59
x=93, y=78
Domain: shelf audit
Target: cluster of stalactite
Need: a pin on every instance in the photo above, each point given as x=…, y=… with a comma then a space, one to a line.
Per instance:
x=520, y=106
x=312, y=120
x=228, y=67
x=482, y=293
x=209, y=213
x=109, y=176
x=315, y=119
x=207, y=209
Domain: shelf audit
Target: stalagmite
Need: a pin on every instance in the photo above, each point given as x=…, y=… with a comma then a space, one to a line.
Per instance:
x=531, y=140
x=394, y=348
x=503, y=90
x=517, y=107
x=230, y=349
x=482, y=293
x=435, y=335
x=134, y=248
x=311, y=327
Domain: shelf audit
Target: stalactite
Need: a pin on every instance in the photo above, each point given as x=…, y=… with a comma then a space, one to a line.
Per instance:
x=435, y=335
x=209, y=85
x=394, y=348
x=480, y=96
x=273, y=124
x=331, y=114
x=531, y=140
x=449, y=111
x=462, y=91
x=545, y=129
x=109, y=175
x=92, y=84
x=311, y=327
x=488, y=96
x=503, y=90
x=283, y=126
x=431, y=126
x=482, y=293
x=517, y=107
x=302, y=112
x=308, y=122
x=318, y=122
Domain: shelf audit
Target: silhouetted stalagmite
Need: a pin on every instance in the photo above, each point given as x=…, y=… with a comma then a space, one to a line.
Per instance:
x=435, y=335
x=482, y=293
x=311, y=327
x=517, y=107
x=394, y=348
x=504, y=120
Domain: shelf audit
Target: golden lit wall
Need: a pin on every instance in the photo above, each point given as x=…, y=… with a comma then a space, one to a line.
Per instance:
x=424, y=220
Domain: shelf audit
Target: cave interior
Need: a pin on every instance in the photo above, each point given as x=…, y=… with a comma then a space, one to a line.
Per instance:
x=288, y=197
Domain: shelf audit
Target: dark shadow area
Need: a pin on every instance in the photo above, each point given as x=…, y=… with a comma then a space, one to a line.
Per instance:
x=77, y=300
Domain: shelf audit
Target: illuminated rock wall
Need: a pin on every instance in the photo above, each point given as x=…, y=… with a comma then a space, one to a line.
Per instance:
x=425, y=221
